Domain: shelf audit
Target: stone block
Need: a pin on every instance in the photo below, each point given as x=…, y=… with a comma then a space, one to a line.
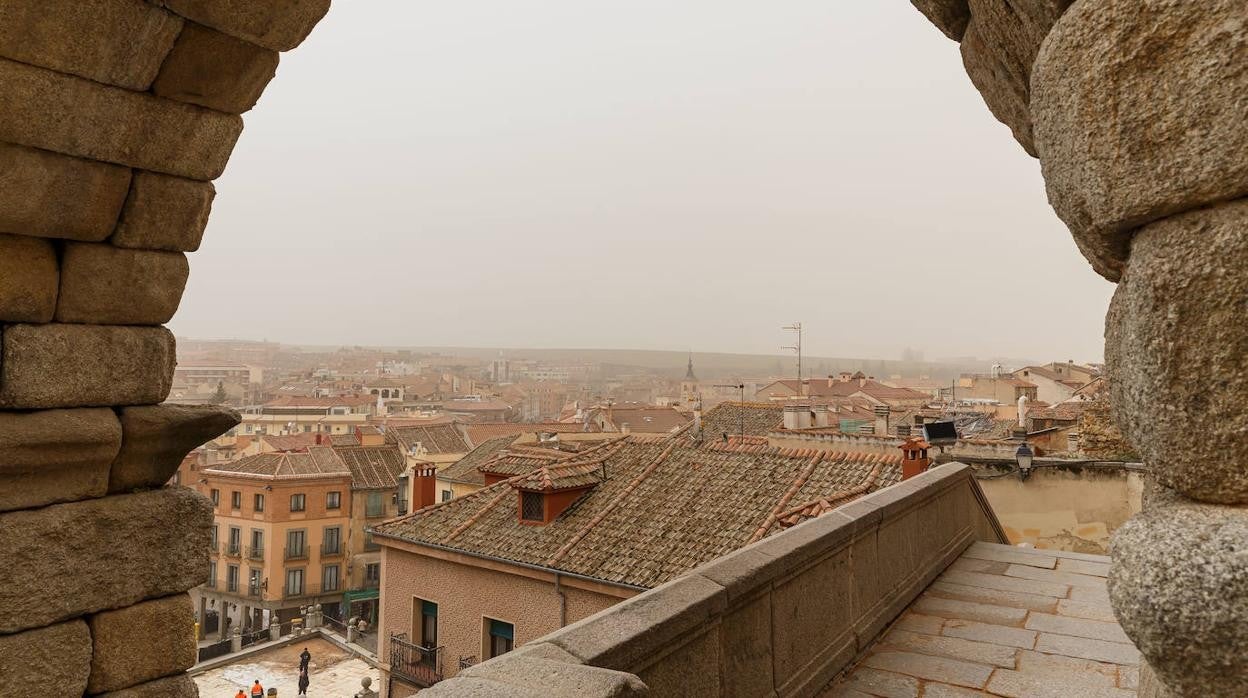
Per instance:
x=106, y=285
x=745, y=648
x=1096, y=650
x=990, y=634
x=969, y=610
x=28, y=279
x=55, y=456
x=547, y=669
x=629, y=633
x=1079, y=627
x=1181, y=301
x=74, y=116
x=1179, y=585
x=951, y=647
x=142, y=642
x=1016, y=683
x=155, y=439
x=56, y=657
x=951, y=671
x=164, y=213
x=51, y=195
x=1120, y=144
x=280, y=26
x=1009, y=554
x=1096, y=673
x=693, y=669
x=215, y=70
x=998, y=51
x=994, y=597
x=49, y=366
x=1000, y=583
x=180, y=686
x=101, y=554
x=949, y=16
x=116, y=42
x=1056, y=576
x=865, y=681
x=813, y=609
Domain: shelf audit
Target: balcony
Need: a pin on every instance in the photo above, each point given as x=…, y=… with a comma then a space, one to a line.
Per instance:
x=300, y=553
x=255, y=552
x=308, y=590
x=331, y=549
x=418, y=665
x=211, y=583
x=214, y=548
x=233, y=549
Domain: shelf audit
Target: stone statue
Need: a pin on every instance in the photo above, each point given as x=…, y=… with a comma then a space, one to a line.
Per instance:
x=365, y=691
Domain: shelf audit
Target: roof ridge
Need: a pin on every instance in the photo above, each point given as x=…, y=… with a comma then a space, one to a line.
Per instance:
x=838, y=495
x=636, y=481
x=802, y=476
x=503, y=492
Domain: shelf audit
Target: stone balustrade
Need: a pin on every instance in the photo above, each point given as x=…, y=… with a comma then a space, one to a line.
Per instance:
x=116, y=115
x=1137, y=112
x=782, y=617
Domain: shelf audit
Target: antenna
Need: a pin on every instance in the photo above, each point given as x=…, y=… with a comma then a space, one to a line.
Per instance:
x=797, y=329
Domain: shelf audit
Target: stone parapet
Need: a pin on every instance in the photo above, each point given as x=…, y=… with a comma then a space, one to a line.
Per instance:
x=780, y=617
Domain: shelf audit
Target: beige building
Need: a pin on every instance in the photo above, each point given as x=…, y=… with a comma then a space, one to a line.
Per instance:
x=554, y=537
x=291, y=414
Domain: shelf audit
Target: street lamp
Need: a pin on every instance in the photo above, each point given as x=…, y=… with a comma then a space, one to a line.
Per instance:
x=1024, y=456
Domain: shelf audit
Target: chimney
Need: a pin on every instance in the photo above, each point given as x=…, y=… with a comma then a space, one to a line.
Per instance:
x=797, y=416
x=831, y=380
x=882, y=413
x=425, y=486
x=821, y=415
x=914, y=458
x=625, y=428
x=318, y=438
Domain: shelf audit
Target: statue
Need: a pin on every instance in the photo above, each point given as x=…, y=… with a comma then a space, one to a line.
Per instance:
x=365, y=691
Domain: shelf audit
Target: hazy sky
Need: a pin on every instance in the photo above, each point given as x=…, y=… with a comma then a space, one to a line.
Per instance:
x=641, y=174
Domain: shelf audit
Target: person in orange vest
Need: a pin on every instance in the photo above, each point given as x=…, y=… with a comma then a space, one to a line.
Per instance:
x=240, y=694
x=257, y=691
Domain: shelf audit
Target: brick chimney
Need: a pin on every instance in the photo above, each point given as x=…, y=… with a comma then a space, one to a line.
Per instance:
x=914, y=460
x=424, y=485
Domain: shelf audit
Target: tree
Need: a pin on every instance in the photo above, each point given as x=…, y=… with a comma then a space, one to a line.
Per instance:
x=219, y=397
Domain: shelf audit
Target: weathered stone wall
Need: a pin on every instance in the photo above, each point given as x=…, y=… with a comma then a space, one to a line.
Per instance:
x=115, y=115
x=1137, y=112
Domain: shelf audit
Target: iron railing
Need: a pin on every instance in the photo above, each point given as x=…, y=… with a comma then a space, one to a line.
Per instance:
x=413, y=663
x=234, y=549
x=303, y=590
x=255, y=552
x=300, y=553
x=329, y=549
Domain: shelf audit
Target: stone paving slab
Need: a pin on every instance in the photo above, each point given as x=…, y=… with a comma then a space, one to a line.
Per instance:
x=1003, y=621
x=333, y=672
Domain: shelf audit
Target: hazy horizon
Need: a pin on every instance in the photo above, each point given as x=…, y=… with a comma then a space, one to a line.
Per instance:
x=647, y=176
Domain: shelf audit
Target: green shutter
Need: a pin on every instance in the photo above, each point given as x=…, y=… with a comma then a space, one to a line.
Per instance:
x=429, y=608
x=500, y=629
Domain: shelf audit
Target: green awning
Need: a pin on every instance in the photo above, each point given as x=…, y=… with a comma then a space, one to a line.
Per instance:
x=360, y=595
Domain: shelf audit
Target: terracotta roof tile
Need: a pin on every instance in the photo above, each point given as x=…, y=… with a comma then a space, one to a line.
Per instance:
x=438, y=439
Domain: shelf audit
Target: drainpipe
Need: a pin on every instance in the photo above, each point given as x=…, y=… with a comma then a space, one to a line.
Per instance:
x=563, y=601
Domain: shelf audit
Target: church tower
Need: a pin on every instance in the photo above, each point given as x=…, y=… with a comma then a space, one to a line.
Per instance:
x=689, y=393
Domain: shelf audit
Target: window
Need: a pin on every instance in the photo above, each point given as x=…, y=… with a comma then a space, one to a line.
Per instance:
x=236, y=541
x=446, y=495
x=212, y=574
x=257, y=544
x=532, y=506
x=259, y=503
x=297, y=502
x=296, y=544
x=372, y=574
x=428, y=623
x=329, y=578
x=375, y=505
x=254, y=580
x=213, y=537
x=369, y=545
x=231, y=578
x=215, y=495
x=294, y=582
x=333, y=500
x=236, y=500
x=500, y=637
x=332, y=541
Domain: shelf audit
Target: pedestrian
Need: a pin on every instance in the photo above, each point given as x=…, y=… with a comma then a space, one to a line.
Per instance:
x=305, y=658
x=257, y=691
x=240, y=694
x=303, y=682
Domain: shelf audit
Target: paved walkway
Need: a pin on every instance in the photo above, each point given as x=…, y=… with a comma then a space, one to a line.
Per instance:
x=1004, y=621
x=334, y=673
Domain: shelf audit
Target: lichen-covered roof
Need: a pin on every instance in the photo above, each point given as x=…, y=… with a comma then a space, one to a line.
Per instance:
x=659, y=508
x=465, y=469
x=318, y=460
x=372, y=467
x=438, y=439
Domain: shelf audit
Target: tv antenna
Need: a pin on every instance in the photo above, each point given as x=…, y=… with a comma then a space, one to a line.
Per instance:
x=796, y=328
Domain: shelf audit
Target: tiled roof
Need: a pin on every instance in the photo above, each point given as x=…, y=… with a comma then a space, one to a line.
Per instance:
x=758, y=418
x=524, y=458
x=341, y=401
x=372, y=467
x=839, y=388
x=291, y=442
x=664, y=507
x=438, y=439
x=1064, y=411
x=465, y=469
x=560, y=477
x=343, y=440
x=474, y=405
x=318, y=460
x=648, y=420
x=479, y=433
